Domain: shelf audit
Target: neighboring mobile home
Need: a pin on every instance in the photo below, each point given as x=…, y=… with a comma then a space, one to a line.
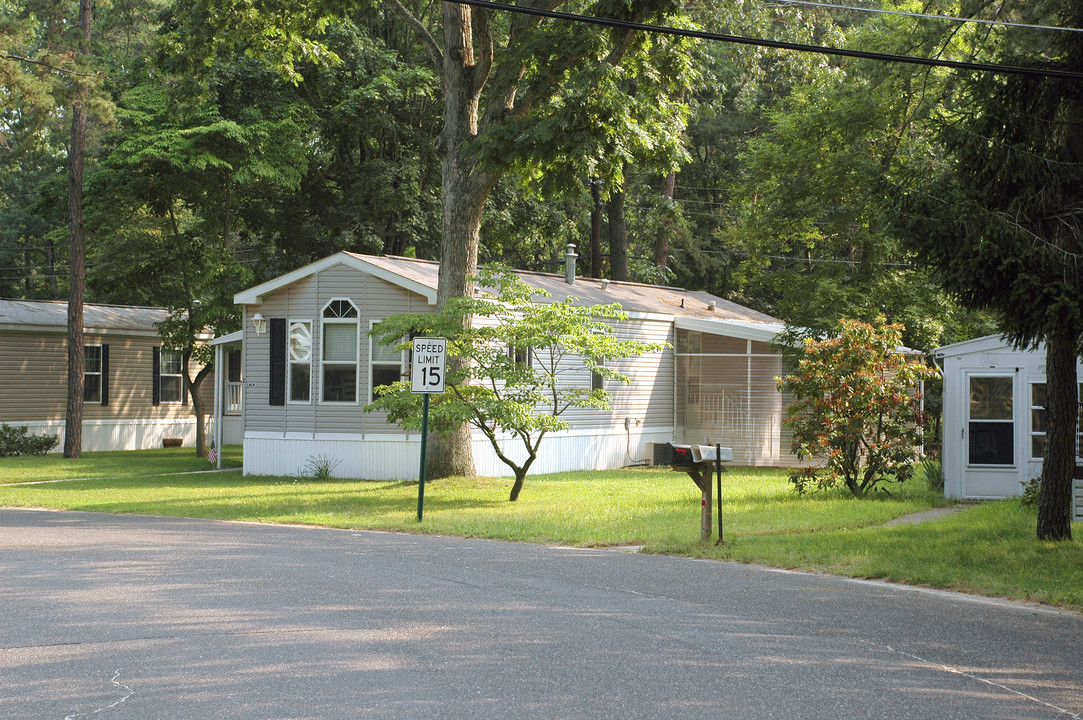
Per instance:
x=134, y=396
x=994, y=419
x=309, y=369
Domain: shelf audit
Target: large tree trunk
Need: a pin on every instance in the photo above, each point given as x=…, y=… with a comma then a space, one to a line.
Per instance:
x=1062, y=410
x=73, y=423
x=618, y=238
x=661, y=242
x=465, y=190
x=595, y=228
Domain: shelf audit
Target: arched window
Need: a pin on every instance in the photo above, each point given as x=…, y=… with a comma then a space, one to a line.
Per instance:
x=339, y=360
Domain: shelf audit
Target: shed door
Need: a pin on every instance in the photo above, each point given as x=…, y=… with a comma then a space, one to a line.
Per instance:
x=990, y=438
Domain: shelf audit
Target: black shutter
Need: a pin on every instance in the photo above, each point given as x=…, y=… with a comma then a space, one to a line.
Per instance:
x=156, y=373
x=105, y=374
x=277, y=391
x=184, y=378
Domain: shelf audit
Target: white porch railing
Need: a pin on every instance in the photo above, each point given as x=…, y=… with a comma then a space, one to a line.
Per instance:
x=233, y=398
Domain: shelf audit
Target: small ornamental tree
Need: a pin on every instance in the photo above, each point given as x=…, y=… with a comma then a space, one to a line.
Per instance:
x=526, y=364
x=856, y=408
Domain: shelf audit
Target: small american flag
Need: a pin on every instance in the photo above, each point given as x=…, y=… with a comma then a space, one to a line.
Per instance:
x=212, y=454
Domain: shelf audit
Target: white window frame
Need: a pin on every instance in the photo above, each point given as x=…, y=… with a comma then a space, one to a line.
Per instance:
x=162, y=375
x=404, y=362
x=1032, y=408
x=291, y=361
x=89, y=373
x=971, y=421
x=356, y=322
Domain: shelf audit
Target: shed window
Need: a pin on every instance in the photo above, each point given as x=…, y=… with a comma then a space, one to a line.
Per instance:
x=340, y=352
x=1038, y=422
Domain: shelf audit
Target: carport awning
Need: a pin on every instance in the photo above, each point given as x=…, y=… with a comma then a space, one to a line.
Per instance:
x=762, y=332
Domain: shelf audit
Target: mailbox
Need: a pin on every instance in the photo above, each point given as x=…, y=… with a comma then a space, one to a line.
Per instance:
x=665, y=453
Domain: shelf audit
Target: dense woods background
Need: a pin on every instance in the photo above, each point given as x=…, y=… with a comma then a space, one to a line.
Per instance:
x=215, y=160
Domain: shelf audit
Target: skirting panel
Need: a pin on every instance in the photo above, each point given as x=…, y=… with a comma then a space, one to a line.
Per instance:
x=120, y=435
x=397, y=458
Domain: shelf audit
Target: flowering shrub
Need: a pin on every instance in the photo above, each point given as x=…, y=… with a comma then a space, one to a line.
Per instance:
x=856, y=408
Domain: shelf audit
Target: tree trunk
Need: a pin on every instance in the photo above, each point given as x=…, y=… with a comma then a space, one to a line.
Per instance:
x=618, y=238
x=595, y=229
x=661, y=241
x=73, y=423
x=465, y=190
x=517, y=486
x=1062, y=410
x=198, y=406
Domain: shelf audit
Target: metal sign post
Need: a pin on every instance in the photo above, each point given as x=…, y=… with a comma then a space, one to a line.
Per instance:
x=427, y=376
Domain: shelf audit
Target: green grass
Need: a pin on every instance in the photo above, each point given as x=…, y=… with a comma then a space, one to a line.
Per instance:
x=112, y=464
x=988, y=548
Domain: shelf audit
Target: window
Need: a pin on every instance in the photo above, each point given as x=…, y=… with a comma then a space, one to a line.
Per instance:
x=170, y=386
x=339, y=358
x=92, y=374
x=387, y=364
x=991, y=421
x=521, y=356
x=597, y=382
x=300, y=361
x=1038, y=421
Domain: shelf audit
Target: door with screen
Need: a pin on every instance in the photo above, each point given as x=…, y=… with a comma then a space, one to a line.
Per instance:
x=990, y=438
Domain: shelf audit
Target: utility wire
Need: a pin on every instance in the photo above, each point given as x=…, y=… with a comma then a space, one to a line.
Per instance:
x=1042, y=71
x=925, y=16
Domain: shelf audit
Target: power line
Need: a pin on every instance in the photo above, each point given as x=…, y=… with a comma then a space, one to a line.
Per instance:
x=925, y=16
x=1043, y=71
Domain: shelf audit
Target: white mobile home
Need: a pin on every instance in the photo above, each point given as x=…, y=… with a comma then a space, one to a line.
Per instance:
x=134, y=396
x=310, y=368
x=994, y=419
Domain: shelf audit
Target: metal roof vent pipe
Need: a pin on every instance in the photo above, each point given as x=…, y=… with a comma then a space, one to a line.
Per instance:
x=711, y=306
x=569, y=264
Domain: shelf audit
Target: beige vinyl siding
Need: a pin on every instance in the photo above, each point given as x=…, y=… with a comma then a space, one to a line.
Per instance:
x=33, y=379
x=33, y=376
x=304, y=300
x=647, y=397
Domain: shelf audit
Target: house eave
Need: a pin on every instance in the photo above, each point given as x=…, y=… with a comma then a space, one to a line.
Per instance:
x=761, y=332
x=255, y=295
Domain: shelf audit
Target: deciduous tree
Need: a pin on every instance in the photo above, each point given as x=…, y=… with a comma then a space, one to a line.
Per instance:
x=519, y=360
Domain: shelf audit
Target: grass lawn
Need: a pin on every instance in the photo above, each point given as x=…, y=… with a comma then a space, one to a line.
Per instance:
x=988, y=548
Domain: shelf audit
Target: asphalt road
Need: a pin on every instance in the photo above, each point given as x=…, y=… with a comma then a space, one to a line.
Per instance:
x=105, y=617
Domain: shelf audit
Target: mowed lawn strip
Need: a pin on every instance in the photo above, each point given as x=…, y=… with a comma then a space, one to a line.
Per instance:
x=988, y=548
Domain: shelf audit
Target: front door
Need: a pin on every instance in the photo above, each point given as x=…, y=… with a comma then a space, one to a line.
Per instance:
x=990, y=441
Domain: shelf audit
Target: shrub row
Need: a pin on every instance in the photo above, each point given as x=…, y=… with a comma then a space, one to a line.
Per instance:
x=18, y=441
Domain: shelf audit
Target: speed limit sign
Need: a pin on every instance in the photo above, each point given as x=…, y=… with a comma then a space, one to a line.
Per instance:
x=430, y=361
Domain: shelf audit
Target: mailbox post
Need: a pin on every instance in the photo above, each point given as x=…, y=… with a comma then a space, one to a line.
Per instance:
x=698, y=461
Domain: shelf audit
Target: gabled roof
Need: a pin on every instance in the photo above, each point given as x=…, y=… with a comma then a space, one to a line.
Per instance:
x=53, y=315
x=397, y=271
x=986, y=343
x=703, y=311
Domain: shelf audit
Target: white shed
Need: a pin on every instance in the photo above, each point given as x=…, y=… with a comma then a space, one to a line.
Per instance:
x=994, y=419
